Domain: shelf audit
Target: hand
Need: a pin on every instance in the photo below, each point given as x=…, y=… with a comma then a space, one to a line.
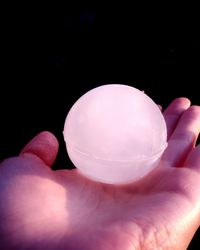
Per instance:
x=45, y=209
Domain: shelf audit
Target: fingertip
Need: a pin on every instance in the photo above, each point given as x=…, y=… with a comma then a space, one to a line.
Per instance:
x=194, y=110
x=190, y=120
x=178, y=105
x=44, y=145
x=182, y=100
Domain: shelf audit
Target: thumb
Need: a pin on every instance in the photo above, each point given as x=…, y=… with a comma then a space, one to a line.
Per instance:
x=45, y=146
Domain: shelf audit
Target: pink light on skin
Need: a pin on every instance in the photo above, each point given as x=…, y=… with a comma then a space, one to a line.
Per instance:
x=115, y=134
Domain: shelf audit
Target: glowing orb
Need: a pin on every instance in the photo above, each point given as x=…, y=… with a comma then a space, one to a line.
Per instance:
x=115, y=134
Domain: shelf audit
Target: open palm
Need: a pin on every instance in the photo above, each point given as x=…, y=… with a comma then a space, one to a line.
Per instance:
x=63, y=210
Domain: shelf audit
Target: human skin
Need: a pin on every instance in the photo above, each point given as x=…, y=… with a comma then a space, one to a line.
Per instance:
x=41, y=208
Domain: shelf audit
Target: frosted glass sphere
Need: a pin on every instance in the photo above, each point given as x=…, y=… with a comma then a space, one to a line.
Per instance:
x=115, y=134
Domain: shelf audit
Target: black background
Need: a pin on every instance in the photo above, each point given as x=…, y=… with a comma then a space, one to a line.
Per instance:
x=50, y=58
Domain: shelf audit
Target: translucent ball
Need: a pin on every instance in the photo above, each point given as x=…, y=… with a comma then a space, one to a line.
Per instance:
x=115, y=134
